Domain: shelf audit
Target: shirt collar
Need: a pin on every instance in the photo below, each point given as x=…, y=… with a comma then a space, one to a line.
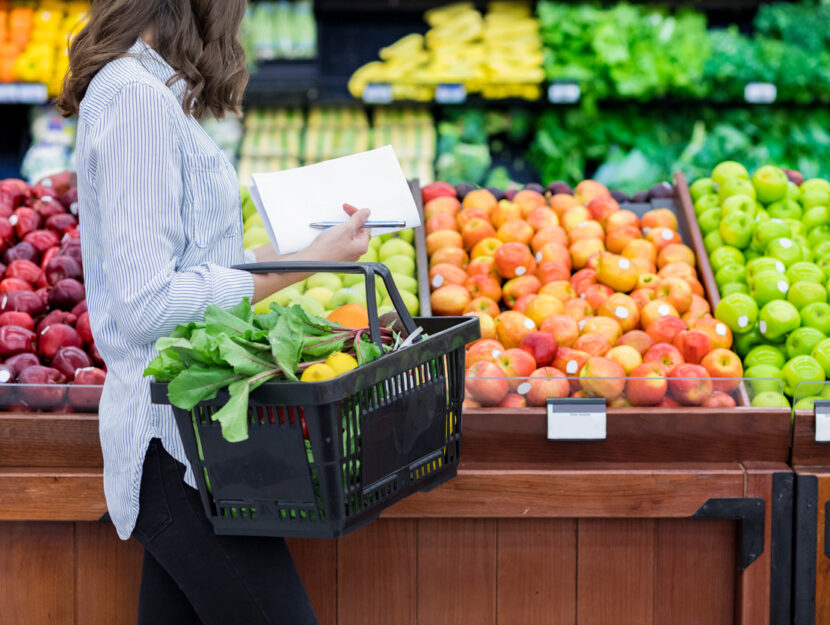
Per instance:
x=153, y=62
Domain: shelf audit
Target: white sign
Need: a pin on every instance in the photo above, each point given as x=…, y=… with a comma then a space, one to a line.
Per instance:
x=23, y=93
x=760, y=92
x=576, y=419
x=450, y=94
x=564, y=93
x=377, y=93
x=823, y=421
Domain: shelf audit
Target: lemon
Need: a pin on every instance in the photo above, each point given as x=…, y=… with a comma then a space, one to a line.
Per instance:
x=341, y=362
x=318, y=373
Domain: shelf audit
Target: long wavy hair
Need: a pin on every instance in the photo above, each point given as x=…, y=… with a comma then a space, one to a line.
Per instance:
x=197, y=38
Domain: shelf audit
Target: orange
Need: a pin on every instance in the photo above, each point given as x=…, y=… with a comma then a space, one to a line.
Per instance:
x=352, y=316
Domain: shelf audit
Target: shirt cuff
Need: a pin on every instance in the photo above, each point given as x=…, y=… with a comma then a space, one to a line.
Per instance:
x=230, y=286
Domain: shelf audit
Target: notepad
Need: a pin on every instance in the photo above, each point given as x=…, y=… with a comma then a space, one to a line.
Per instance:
x=288, y=201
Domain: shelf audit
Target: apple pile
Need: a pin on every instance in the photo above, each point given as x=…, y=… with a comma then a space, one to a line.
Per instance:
x=45, y=335
x=768, y=240
x=575, y=297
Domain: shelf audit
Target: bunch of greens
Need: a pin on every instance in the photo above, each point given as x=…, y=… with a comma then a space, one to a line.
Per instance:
x=805, y=25
x=240, y=350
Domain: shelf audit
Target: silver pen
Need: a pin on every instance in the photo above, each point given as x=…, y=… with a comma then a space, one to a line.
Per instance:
x=323, y=225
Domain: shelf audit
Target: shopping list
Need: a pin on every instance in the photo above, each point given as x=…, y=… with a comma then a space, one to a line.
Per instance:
x=288, y=201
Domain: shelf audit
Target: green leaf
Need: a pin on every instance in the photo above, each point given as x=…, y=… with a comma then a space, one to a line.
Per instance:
x=197, y=384
x=366, y=350
x=225, y=321
x=243, y=311
x=286, y=343
x=243, y=361
x=183, y=331
x=319, y=347
x=164, y=367
x=234, y=415
x=206, y=347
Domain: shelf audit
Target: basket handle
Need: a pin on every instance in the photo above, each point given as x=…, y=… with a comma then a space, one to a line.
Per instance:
x=369, y=271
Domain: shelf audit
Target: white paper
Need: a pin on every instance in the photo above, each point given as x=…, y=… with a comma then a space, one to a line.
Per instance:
x=288, y=201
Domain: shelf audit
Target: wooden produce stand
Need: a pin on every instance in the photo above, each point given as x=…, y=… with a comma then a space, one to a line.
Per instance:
x=677, y=517
x=811, y=552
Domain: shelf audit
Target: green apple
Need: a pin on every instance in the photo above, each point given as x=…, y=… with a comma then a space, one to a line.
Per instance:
x=321, y=294
x=765, y=263
x=769, y=231
x=350, y=279
x=805, y=272
x=738, y=204
x=348, y=295
x=327, y=280
x=771, y=184
x=732, y=272
x=247, y=203
x=387, y=237
x=815, y=216
x=728, y=169
x=385, y=308
x=736, y=186
x=761, y=215
x=726, y=255
x=375, y=242
x=733, y=287
x=785, y=250
x=802, y=341
x=817, y=315
x=822, y=250
x=821, y=352
x=751, y=253
x=796, y=227
x=793, y=191
x=310, y=305
x=818, y=235
x=784, y=209
x=803, y=293
x=361, y=291
x=712, y=241
x=407, y=235
x=401, y=264
x=254, y=238
x=825, y=393
x=706, y=202
x=815, y=183
x=701, y=187
x=736, y=229
x=405, y=283
x=770, y=399
x=744, y=343
x=709, y=221
x=411, y=302
x=802, y=375
x=763, y=379
x=777, y=319
x=768, y=286
x=765, y=355
x=371, y=256
x=807, y=403
x=814, y=197
x=738, y=311
x=395, y=247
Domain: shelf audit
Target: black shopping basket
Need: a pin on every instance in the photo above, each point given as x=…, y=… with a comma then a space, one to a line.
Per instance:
x=323, y=459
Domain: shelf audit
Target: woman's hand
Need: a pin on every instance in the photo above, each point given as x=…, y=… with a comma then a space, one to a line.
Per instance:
x=346, y=242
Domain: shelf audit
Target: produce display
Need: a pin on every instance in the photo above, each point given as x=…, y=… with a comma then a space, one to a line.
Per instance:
x=575, y=296
x=45, y=335
x=280, y=30
x=498, y=55
x=768, y=240
x=33, y=38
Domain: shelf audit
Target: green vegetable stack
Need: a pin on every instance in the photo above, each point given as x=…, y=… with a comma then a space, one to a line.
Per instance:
x=241, y=350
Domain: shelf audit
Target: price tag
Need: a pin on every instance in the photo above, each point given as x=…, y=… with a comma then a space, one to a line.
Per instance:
x=576, y=419
x=450, y=94
x=23, y=93
x=377, y=93
x=760, y=92
x=823, y=421
x=564, y=92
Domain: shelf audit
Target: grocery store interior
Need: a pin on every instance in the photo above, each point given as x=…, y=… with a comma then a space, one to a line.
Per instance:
x=592, y=384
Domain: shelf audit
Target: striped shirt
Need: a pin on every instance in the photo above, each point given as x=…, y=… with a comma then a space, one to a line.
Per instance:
x=160, y=225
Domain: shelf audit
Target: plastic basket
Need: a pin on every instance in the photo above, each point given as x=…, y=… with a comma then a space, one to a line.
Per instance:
x=323, y=459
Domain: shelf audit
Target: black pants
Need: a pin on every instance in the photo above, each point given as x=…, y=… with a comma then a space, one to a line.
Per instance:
x=192, y=576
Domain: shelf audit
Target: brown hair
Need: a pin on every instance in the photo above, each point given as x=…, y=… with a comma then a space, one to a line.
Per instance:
x=198, y=38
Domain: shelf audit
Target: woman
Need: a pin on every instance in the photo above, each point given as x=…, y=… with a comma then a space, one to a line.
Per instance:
x=161, y=225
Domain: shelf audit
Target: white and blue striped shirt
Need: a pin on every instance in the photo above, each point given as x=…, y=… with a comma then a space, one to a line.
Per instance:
x=160, y=225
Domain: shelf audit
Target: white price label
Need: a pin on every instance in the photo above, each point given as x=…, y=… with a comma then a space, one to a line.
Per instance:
x=450, y=94
x=23, y=93
x=760, y=92
x=564, y=93
x=576, y=419
x=377, y=93
x=823, y=421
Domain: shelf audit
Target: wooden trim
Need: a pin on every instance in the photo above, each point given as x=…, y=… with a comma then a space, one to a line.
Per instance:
x=49, y=440
x=51, y=495
x=806, y=451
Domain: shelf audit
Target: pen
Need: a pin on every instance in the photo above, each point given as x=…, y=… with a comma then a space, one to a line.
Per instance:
x=322, y=225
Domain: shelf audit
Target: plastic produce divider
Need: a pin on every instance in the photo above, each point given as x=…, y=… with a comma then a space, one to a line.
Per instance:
x=421, y=260
x=805, y=533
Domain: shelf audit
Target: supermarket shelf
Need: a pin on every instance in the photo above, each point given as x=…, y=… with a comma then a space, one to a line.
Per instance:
x=23, y=93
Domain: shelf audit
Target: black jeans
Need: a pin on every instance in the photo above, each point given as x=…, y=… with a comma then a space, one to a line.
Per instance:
x=193, y=576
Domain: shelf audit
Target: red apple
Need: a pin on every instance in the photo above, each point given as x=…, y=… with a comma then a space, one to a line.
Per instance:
x=692, y=344
x=513, y=400
x=664, y=354
x=637, y=339
x=546, y=382
x=603, y=377
x=570, y=362
x=664, y=329
x=722, y=363
x=486, y=384
x=690, y=384
x=541, y=345
x=647, y=385
x=516, y=364
x=719, y=400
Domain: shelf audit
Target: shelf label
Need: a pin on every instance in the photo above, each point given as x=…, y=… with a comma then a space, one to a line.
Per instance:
x=572, y=419
x=760, y=92
x=377, y=93
x=23, y=93
x=450, y=93
x=823, y=421
x=564, y=92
